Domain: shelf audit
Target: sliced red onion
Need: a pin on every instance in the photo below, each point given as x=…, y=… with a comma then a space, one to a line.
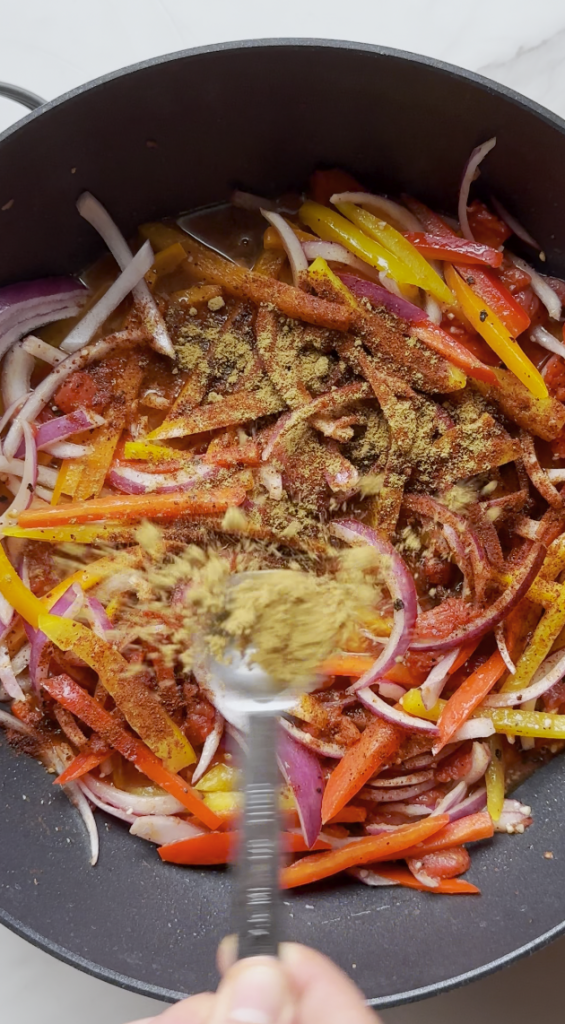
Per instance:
x=322, y=404
x=480, y=760
x=469, y=174
x=386, y=208
x=301, y=771
x=24, y=494
x=67, y=606
x=548, y=674
x=7, y=676
x=132, y=803
x=9, y=722
x=431, y=688
x=544, y=338
x=41, y=350
x=100, y=219
x=211, y=744
x=62, y=427
x=369, y=877
x=75, y=793
x=117, y=292
x=16, y=374
x=135, y=481
x=325, y=748
x=515, y=817
x=379, y=296
x=543, y=290
x=11, y=411
x=16, y=468
x=45, y=391
x=451, y=799
x=83, y=784
x=20, y=661
x=472, y=804
x=474, y=729
x=390, y=690
x=386, y=796
x=498, y=610
x=410, y=810
x=536, y=473
x=292, y=246
x=164, y=829
x=414, y=779
x=402, y=590
x=101, y=623
x=28, y=305
x=395, y=715
x=433, y=309
x=463, y=540
x=214, y=689
x=67, y=450
x=416, y=867
x=503, y=648
x=514, y=225
x=6, y=612
x=333, y=252
x=272, y=482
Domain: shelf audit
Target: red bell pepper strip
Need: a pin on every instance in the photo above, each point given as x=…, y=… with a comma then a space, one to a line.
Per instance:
x=84, y=762
x=471, y=829
x=360, y=851
x=490, y=288
x=432, y=222
x=472, y=691
x=323, y=184
x=445, y=886
x=446, y=345
x=375, y=747
x=70, y=695
x=221, y=848
x=136, y=506
x=453, y=249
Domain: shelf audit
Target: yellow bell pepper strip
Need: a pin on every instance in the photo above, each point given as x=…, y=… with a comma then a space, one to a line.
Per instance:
x=61, y=481
x=332, y=227
x=141, y=707
x=75, y=699
x=222, y=778
x=494, y=779
x=454, y=249
x=197, y=293
x=422, y=274
x=151, y=452
x=167, y=260
x=15, y=591
x=547, y=630
x=329, y=284
x=488, y=325
x=92, y=574
x=386, y=846
x=511, y=721
x=136, y=506
x=85, y=534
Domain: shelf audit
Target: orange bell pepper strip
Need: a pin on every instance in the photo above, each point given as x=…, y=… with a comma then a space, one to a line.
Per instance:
x=472, y=691
x=491, y=289
x=221, y=454
x=84, y=762
x=360, y=851
x=471, y=829
x=70, y=695
x=375, y=747
x=490, y=327
x=454, y=249
x=444, y=887
x=221, y=848
x=140, y=706
x=135, y=506
x=466, y=651
x=346, y=665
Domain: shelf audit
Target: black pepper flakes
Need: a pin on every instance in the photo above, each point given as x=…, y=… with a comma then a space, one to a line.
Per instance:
x=483, y=315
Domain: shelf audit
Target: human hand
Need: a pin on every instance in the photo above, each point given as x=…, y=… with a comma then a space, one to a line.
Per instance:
x=302, y=987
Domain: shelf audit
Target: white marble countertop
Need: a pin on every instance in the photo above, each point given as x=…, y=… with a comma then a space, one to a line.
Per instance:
x=52, y=47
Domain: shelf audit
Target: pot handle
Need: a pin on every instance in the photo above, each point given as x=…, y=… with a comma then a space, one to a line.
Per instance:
x=23, y=96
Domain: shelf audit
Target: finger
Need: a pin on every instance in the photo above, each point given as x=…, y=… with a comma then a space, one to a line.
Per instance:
x=195, y=1010
x=254, y=991
x=227, y=954
x=324, y=992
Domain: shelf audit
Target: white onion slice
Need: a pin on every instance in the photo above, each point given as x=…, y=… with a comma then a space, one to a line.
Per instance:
x=544, y=292
x=514, y=225
x=544, y=338
x=398, y=215
x=211, y=744
x=9, y=722
x=41, y=350
x=24, y=494
x=395, y=715
x=16, y=374
x=503, y=649
x=163, y=829
x=132, y=803
x=67, y=450
x=433, y=685
x=292, y=246
x=548, y=674
x=474, y=729
x=100, y=219
x=469, y=175
x=333, y=252
x=7, y=676
x=99, y=313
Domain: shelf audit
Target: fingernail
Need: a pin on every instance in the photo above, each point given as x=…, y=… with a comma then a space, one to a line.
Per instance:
x=259, y=994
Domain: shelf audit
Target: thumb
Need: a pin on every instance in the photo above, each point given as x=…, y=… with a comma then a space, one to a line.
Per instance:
x=254, y=991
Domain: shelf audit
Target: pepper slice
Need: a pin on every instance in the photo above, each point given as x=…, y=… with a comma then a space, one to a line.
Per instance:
x=488, y=325
x=141, y=707
x=453, y=249
x=513, y=722
x=491, y=290
x=400, y=246
x=332, y=227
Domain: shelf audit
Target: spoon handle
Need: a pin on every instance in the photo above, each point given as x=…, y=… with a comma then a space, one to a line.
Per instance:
x=257, y=897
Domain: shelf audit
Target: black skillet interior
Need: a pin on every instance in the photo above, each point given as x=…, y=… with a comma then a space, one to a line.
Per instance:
x=174, y=134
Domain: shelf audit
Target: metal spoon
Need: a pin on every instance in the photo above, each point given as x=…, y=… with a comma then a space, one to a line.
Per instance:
x=249, y=690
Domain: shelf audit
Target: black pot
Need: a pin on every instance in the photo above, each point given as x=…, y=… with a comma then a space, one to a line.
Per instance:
x=176, y=133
